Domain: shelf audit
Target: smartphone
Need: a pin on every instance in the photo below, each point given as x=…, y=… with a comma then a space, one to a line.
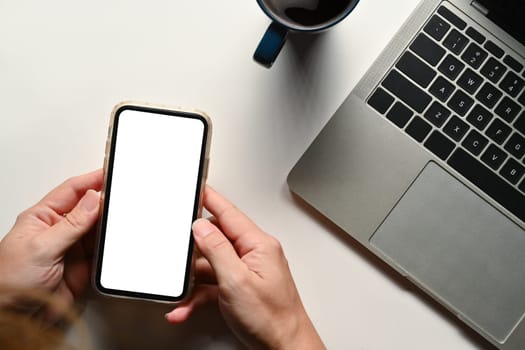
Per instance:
x=154, y=172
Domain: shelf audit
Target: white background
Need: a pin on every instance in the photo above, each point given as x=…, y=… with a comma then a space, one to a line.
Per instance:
x=65, y=64
x=151, y=202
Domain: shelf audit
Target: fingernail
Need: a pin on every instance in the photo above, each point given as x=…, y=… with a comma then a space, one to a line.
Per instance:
x=202, y=228
x=90, y=201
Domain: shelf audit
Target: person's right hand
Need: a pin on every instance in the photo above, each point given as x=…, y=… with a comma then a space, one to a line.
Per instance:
x=246, y=272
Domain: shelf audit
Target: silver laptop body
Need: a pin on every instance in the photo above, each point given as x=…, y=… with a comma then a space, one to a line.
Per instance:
x=423, y=164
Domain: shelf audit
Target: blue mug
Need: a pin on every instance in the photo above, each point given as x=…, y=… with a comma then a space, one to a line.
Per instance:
x=306, y=16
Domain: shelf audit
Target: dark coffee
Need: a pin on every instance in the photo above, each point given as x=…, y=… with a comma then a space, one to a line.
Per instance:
x=309, y=12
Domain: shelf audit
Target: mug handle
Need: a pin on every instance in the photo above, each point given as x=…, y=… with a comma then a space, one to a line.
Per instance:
x=270, y=44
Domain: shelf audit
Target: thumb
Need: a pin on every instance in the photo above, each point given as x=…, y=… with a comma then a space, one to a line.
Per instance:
x=217, y=249
x=74, y=225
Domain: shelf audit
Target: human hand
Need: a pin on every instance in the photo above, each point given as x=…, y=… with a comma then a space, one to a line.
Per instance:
x=44, y=250
x=245, y=271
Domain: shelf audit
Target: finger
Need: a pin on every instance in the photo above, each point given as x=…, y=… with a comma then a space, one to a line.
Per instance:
x=76, y=269
x=72, y=227
x=216, y=248
x=214, y=220
x=64, y=197
x=204, y=273
x=57, y=306
x=88, y=243
x=201, y=295
x=232, y=221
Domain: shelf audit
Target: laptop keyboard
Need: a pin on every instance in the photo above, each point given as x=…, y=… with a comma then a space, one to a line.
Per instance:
x=462, y=96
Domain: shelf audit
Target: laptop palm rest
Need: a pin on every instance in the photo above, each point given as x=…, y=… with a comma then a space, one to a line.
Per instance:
x=460, y=248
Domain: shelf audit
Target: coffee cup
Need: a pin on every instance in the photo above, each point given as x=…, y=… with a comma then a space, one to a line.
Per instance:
x=305, y=16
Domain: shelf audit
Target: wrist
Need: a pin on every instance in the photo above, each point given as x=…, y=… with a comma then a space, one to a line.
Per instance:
x=300, y=335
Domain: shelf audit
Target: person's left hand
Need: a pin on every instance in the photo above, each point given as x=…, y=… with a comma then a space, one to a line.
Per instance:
x=44, y=250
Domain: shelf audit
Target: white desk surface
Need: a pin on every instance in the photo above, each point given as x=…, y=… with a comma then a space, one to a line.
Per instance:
x=64, y=64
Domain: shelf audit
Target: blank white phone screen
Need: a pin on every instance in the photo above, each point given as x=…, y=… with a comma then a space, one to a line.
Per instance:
x=151, y=202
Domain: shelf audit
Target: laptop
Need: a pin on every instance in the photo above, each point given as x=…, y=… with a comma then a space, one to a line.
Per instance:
x=424, y=162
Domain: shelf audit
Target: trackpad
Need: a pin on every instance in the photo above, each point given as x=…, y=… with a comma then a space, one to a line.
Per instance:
x=460, y=248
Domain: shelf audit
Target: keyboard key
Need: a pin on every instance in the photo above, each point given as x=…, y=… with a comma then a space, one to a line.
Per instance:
x=520, y=123
x=498, y=131
x=451, y=67
x=488, y=182
x=479, y=117
x=409, y=93
x=455, y=41
x=513, y=63
x=452, y=18
x=456, y=128
x=439, y=144
x=512, y=84
x=437, y=114
x=508, y=109
x=474, y=34
x=475, y=142
x=418, y=129
x=415, y=69
x=493, y=70
x=522, y=186
x=460, y=102
x=516, y=145
x=399, y=114
x=437, y=27
x=470, y=81
x=427, y=49
x=512, y=171
x=474, y=55
x=494, y=49
x=494, y=157
x=441, y=88
x=521, y=99
x=489, y=95
x=380, y=100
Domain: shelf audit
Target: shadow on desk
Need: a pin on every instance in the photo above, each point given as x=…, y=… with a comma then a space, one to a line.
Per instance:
x=302, y=45
x=392, y=275
x=133, y=325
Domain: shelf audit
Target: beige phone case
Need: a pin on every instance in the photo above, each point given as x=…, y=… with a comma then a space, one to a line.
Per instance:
x=204, y=176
